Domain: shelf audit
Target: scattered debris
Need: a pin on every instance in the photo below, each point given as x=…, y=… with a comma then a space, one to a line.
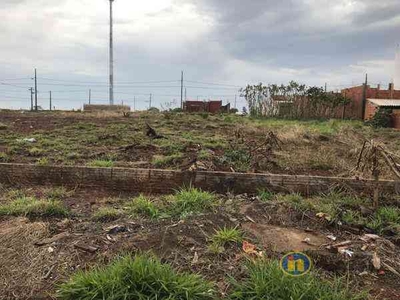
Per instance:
x=151, y=133
x=29, y=140
x=325, y=216
x=342, y=244
x=110, y=238
x=87, y=248
x=369, y=238
x=116, y=229
x=376, y=261
x=195, y=259
x=345, y=251
x=53, y=239
x=308, y=242
x=332, y=237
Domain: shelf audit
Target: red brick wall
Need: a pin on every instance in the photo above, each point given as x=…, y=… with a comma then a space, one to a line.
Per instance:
x=200, y=106
x=214, y=106
x=354, y=109
x=370, y=110
x=396, y=118
x=166, y=181
x=355, y=94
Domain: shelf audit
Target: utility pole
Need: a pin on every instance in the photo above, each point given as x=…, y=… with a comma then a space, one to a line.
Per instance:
x=235, y=100
x=50, y=100
x=326, y=87
x=31, y=90
x=134, y=103
x=36, y=108
x=182, y=90
x=364, y=100
x=150, y=101
x=90, y=96
x=111, y=56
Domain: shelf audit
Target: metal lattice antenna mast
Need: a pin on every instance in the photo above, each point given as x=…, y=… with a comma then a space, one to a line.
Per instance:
x=111, y=56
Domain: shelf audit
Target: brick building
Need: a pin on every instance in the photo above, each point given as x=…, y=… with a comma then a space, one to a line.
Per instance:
x=363, y=101
x=373, y=105
x=211, y=106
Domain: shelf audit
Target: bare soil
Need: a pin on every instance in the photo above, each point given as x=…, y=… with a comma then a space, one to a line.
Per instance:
x=38, y=254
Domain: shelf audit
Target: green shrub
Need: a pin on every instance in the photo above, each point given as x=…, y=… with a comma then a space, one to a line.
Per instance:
x=382, y=118
x=32, y=207
x=3, y=126
x=153, y=110
x=188, y=201
x=265, y=196
x=239, y=159
x=204, y=115
x=141, y=277
x=204, y=155
x=106, y=214
x=143, y=206
x=224, y=236
x=265, y=280
x=35, y=151
x=42, y=161
x=4, y=157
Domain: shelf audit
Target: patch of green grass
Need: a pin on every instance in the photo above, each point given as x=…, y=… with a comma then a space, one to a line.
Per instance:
x=189, y=201
x=327, y=127
x=352, y=217
x=170, y=147
x=32, y=207
x=42, y=162
x=161, y=160
x=4, y=157
x=101, y=163
x=265, y=196
x=385, y=219
x=56, y=193
x=144, y=207
x=204, y=155
x=140, y=277
x=35, y=151
x=295, y=200
x=239, y=159
x=265, y=280
x=106, y=214
x=225, y=236
x=389, y=214
x=73, y=155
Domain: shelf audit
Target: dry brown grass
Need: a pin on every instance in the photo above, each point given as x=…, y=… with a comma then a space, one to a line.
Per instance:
x=19, y=278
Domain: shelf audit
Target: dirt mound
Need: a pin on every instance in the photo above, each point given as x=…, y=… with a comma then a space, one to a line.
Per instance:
x=280, y=239
x=19, y=277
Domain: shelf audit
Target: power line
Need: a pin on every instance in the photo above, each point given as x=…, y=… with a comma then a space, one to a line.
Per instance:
x=18, y=86
x=12, y=79
x=105, y=83
x=210, y=83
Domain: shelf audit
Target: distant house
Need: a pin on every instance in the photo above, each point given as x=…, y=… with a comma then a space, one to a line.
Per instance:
x=359, y=95
x=212, y=106
x=373, y=105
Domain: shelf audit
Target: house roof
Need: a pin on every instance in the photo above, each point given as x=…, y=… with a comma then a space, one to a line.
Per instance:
x=385, y=102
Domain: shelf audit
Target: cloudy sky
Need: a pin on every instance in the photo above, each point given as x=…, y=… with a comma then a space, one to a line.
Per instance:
x=220, y=44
